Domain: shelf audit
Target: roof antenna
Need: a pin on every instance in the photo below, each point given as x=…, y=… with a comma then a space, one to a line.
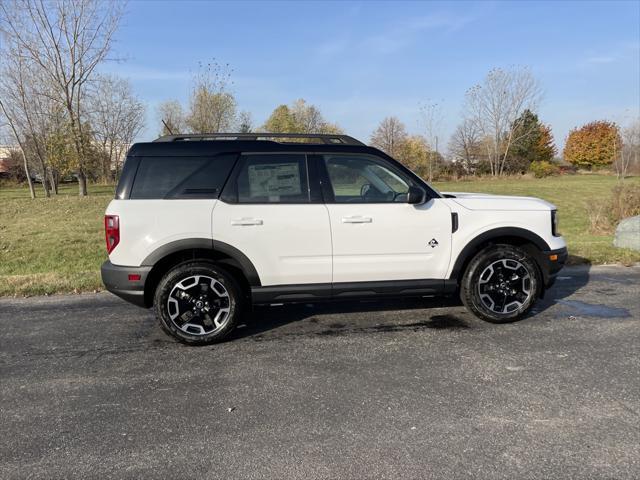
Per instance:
x=167, y=127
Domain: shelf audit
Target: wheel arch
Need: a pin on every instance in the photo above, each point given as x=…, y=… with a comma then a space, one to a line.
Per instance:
x=174, y=253
x=520, y=237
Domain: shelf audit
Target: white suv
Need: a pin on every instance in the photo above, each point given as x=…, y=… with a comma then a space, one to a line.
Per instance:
x=203, y=226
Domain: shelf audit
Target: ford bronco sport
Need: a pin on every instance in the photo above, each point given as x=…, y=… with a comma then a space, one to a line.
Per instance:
x=204, y=226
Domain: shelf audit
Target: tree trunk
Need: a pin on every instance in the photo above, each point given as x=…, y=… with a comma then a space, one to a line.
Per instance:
x=53, y=182
x=32, y=191
x=82, y=184
x=45, y=179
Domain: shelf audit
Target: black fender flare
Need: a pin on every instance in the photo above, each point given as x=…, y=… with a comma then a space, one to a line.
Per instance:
x=471, y=247
x=246, y=265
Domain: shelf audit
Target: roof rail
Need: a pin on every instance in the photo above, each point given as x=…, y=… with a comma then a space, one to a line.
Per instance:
x=325, y=138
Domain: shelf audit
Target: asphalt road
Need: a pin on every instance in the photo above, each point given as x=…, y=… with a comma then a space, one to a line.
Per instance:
x=91, y=388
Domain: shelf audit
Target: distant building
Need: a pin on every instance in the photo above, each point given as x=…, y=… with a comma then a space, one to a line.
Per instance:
x=5, y=158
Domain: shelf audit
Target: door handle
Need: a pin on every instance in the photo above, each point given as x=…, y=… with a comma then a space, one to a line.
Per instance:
x=357, y=219
x=243, y=222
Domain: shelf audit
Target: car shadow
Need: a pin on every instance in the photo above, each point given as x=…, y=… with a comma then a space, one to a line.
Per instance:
x=569, y=281
x=265, y=318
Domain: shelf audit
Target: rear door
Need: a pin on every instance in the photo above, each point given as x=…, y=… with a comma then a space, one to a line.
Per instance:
x=376, y=234
x=271, y=212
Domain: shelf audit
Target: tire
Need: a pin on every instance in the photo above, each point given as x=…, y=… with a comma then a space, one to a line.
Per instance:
x=198, y=303
x=492, y=277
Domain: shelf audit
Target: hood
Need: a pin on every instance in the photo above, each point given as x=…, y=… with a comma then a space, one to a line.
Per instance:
x=485, y=201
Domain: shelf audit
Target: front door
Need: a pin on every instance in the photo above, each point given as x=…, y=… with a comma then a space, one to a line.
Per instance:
x=376, y=234
x=269, y=212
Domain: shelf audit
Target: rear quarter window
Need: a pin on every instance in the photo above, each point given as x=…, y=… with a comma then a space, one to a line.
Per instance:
x=181, y=177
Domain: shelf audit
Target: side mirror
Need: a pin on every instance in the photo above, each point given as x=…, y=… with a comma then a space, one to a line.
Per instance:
x=416, y=195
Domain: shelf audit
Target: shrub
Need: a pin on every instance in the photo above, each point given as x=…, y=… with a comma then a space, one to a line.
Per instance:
x=624, y=203
x=543, y=169
x=599, y=220
x=567, y=169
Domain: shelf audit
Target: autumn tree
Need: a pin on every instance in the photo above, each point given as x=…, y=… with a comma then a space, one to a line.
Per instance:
x=299, y=117
x=596, y=144
x=389, y=136
x=280, y=121
x=415, y=154
x=546, y=146
x=496, y=107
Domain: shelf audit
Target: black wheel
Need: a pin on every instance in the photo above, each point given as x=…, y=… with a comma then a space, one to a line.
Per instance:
x=198, y=303
x=501, y=284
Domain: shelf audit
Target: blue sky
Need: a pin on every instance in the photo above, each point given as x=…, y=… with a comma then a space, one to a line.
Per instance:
x=362, y=61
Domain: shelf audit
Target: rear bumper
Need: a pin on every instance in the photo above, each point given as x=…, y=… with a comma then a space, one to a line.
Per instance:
x=551, y=268
x=116, y=280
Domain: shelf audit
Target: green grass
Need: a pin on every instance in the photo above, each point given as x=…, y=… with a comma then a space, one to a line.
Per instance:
x=56, y=245
x=572, y=194
x=51, y=245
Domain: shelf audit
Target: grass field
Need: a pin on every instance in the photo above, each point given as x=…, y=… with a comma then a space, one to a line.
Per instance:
x=56, y=245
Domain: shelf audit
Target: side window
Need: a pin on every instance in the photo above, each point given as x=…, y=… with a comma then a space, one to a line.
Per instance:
x=365, y=179
x=181, y=177
x=274, y=178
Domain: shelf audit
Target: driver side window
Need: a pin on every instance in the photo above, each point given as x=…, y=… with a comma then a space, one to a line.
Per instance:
x=365, y=179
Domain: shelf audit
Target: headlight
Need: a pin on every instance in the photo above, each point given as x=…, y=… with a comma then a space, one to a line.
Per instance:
x=554, y=223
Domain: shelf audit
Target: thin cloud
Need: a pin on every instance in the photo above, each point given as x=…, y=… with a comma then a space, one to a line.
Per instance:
x=134, y=72
x=602, y=59
x=407, y=32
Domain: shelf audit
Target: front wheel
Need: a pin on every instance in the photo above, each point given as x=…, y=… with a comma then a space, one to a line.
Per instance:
x=198, y=303
x=501, y=284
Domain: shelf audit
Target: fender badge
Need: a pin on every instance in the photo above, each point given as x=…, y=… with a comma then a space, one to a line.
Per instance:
x=433, y=243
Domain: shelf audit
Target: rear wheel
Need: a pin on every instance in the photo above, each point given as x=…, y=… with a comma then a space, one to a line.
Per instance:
x=501, y=284
x=198, y=303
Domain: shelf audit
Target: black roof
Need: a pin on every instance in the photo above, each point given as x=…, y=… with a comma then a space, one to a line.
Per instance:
x=207, y=144
x=323, y=138
x=220, y=143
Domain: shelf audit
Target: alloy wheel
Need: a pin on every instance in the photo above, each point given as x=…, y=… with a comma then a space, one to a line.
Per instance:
x=199, y=305
x=505, y=286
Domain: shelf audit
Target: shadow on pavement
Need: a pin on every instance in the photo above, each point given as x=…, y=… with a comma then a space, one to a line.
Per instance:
x=266, y=318
x=568, y=281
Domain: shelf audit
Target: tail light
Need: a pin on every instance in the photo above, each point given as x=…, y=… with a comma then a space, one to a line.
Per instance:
x=111, y=231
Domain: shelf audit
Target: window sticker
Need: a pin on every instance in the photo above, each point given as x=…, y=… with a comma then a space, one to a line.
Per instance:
x=274, y=180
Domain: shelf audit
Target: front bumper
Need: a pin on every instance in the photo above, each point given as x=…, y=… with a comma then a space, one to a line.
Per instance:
x=116, y=280
x=550, y=267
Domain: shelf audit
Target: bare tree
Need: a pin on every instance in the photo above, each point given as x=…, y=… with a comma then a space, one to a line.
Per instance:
x=465, y=145
x=24, y=110
x=117, y=118
x=431, y=114
x=212, y=106
x=66, y=40
x=307, y=118
x=245, y=122
x=389, y=136
x=172, y=118
x=630, y=152
x=496, y=107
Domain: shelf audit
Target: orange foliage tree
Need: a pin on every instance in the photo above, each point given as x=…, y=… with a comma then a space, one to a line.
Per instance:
x=596, y=144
